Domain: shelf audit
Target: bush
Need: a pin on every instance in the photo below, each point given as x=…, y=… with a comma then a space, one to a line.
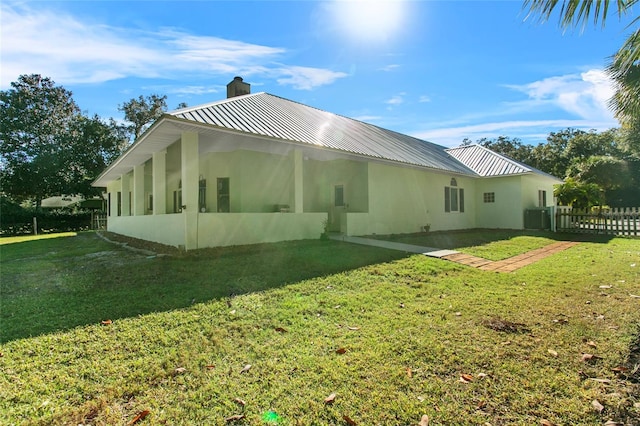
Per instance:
x=17, y=220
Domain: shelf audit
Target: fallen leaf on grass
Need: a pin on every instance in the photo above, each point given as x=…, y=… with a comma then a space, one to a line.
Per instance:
x=353, y=328
x=280, y=330
x=619, y=369
x=209, y=367
x=588, y=357
x=106, y=322
x=606, y=286
x=330, y=399
x=246, y=368
x=598, y=407
x=180, y=370
x=341, y=351
x=234, y=418
x=141, y=415
x=239, y=401
x=613, y=423
x=591, y=343
x=424, y=421
x=600, y=380
x=349, y=420
x=409, y=372
x=545, y=422
x=466, y=378
x=634, y=296
x=552, y=352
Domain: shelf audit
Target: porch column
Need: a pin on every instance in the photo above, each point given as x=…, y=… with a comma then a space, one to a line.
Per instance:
x=190, y=173
x=113, y=194
x=160, y=182
x=298, y=196
x=138, y=190
x=126, y=205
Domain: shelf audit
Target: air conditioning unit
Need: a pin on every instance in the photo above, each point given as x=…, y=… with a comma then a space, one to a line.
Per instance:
x=537, y=218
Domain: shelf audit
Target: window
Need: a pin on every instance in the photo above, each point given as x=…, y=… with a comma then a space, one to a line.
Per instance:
x=339, y=196
x=224, y=203
x=489, y=197
x=542, y=198
x=177, y=199
x=119, y=203
x=453, y=199
x=202, y=195
x=108, y=204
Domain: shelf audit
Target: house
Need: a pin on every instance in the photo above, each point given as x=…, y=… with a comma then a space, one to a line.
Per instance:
x=68, y=202
x=259, y=168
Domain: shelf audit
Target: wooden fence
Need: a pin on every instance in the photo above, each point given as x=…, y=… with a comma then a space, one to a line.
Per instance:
x=99, y=220
x=619, y=221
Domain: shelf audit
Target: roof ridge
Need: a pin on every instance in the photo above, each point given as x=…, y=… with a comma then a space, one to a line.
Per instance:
x=214, y=103
x=504, y=157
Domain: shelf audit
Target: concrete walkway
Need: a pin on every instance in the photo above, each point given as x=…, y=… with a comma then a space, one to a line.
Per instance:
x=506, y=265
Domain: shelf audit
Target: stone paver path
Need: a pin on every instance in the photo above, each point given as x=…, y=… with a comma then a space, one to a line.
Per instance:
x=513, y=263
x=506, y=265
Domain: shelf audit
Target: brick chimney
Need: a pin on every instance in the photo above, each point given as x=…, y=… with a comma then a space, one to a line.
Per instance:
x=238, y=88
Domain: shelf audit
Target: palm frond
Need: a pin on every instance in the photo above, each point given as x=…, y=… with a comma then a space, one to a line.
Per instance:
x=575, y=13
x=624, y=71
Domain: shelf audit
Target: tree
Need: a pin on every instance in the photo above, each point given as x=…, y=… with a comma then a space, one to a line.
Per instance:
x=47, y=147
x=624, y=68
x=143, y=111
x=33, y=116
x=511, y=147
x=578, y=195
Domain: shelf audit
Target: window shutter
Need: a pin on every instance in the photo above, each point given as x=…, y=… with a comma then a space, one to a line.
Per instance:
x=447, y=202
x=461, y=200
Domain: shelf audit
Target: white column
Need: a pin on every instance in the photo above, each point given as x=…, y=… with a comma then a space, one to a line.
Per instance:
x=125, y=184
x=160, y=182
x=298, y=199
x=190, y=174
x=138, y=190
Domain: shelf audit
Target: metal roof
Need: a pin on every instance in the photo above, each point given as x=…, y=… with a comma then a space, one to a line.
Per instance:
x=230, y=123
x=487, y=163
x=268, y=115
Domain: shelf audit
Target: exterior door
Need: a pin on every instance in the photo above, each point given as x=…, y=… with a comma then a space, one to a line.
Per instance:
x=337, y=208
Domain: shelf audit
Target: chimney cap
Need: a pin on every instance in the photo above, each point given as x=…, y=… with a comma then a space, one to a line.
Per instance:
x=237, y=87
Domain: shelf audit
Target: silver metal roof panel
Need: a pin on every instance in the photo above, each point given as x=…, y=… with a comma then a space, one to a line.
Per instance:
x=268, y=115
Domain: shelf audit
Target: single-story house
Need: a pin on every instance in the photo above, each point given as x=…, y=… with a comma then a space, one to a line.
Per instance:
x=258, y=168
x=70, y=202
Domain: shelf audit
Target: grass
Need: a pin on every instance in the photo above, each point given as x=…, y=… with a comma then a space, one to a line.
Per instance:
x=24, y=238
x=410, y=326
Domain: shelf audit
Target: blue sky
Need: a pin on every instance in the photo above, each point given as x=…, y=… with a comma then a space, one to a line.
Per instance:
x=438, y=70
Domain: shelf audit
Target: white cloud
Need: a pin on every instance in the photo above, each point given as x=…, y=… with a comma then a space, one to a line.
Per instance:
x=306, y=78
x=396, y=99
x=70, y=51
x=390, y=67
x=424, y=98
x=453, y=136
x=583, y=95
x=578, y=101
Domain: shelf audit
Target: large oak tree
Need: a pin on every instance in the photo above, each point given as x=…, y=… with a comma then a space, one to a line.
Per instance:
x=47, y=146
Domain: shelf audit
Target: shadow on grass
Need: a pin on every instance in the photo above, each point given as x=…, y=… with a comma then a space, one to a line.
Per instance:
x=57, y=284
x=453, y=240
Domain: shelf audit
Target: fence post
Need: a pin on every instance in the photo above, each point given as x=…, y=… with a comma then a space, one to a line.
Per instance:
x=35, y=225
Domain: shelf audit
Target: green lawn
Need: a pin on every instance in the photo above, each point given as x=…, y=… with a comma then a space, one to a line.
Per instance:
x=389, y=334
